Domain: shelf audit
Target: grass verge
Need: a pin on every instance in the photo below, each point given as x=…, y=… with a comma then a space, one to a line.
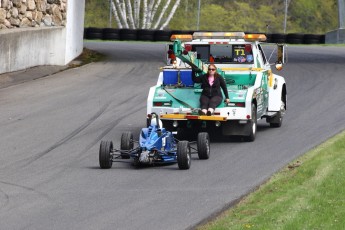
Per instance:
x=86, y=57
x=307, y=194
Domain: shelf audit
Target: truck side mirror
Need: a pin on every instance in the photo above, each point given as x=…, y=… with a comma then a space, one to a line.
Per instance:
x=281, y=53
x=281, y=56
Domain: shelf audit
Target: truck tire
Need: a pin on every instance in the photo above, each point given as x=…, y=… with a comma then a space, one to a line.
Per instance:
x=203, y=146
x=126, y=143
x=253, y=125
x=276, y=121
x=105, y=148
x=183, y=155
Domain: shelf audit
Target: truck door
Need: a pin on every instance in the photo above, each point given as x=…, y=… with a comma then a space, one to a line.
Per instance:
x=264, y=83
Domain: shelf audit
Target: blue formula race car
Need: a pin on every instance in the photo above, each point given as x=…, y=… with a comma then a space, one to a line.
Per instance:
x=156, y=146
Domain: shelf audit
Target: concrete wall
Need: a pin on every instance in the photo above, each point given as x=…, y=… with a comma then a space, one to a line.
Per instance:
x=22, y=48
x=74, y=29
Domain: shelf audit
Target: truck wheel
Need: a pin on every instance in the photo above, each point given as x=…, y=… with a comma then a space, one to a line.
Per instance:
x=126, y=143
x=276, y=121
x=183, y=155
x=105, y=161
x=253, y=125
x=203, y=145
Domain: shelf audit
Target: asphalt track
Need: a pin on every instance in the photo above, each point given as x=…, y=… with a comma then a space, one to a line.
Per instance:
x=51, y=129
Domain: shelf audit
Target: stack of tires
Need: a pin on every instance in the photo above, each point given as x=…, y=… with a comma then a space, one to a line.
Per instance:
x=93, y=33
x=111, y=34
x=164, y=35
x=296, y=38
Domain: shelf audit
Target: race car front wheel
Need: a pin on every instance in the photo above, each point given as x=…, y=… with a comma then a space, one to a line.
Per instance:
x=105, y=159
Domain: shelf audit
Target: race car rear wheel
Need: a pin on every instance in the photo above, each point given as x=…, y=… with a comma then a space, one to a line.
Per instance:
x=183, y=155
x=105, y=159
x=203, y=145
x=126, y=143
x=253, y=125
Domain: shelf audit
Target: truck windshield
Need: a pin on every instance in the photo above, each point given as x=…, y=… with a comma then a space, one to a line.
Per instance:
x=225, y=53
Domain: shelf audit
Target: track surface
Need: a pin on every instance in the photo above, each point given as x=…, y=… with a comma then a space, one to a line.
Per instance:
x=51, y=129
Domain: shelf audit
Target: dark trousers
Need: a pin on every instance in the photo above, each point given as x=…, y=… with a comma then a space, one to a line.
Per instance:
x=209, y=102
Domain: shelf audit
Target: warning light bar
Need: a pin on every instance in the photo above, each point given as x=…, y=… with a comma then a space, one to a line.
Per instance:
x=181, y=37
x=255, y=37
x=218, y=35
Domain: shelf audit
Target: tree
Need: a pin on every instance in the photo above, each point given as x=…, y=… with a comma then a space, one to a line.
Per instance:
x=145, y=14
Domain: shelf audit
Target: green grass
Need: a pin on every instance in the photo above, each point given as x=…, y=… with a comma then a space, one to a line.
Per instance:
x=307, y=194
x=86, y=57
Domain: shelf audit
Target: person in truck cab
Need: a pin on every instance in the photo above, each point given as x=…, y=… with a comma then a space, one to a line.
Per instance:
x=211, y=95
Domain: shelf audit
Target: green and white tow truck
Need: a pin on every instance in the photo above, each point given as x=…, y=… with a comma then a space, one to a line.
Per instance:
x=255, y=92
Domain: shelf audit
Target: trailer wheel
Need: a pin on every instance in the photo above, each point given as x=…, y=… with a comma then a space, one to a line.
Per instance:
x=105, y=160
x=183, y=155
x=126, y=143
x=253, y=125
x=203, y=145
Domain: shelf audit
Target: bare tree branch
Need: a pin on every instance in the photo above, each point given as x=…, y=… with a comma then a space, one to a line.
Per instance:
x=144, y=14
x=137, y=13
x=149, y=13
x=177, y=3
x=130, y=15
x=155, y=9
x=161, y=14
x=121, y=13
x=116, y=16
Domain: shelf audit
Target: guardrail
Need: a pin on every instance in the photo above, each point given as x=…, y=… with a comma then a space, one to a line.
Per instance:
x=164, y=35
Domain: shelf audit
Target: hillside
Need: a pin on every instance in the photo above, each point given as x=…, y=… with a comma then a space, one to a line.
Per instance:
x=304, y=16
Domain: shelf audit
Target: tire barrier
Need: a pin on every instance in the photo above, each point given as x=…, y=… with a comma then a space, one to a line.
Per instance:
x=145, y=35
x=294, y=38
x=128, y=34
x=164, y=35
x=94, y=33
x=111, y=34
x=313, y=39
x=278, y=38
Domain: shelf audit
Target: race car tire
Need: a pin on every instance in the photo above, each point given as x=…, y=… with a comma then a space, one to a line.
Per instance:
x=203, y=146
x=126, y=143
x=253, y=125
x=105, y=148
x=183, y=155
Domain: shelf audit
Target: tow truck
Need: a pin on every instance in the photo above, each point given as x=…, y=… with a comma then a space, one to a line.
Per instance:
x=255, y=91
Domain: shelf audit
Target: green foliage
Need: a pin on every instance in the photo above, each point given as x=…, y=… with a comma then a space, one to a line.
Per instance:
x=308, y=194
x=304, y=16
x=96, y=13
